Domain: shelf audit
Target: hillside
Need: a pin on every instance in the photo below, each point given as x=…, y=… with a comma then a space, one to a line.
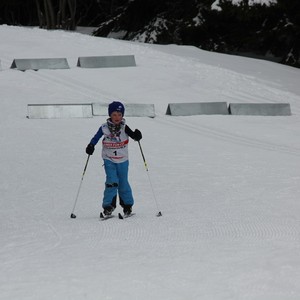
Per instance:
x=228, y=186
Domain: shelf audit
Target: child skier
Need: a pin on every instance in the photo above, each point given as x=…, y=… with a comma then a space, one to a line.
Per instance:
x=115, y=155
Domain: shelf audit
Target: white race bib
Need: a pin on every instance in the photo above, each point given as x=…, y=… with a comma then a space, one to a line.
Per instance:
x=115, y=146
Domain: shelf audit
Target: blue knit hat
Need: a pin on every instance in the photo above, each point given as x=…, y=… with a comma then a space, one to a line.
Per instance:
x=116, y=106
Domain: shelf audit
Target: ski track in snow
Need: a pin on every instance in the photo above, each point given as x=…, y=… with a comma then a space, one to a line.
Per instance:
x=39, y=236
x=230, y=137
x=89, y=92
x=218, y=226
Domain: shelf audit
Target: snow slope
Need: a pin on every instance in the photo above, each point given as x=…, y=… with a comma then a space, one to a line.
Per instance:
x=228, y=186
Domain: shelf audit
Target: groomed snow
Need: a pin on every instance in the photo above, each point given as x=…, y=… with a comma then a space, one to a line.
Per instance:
x=228, y=186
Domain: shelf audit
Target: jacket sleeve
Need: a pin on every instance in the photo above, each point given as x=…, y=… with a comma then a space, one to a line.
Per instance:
x=97, y=137
x=129, y=132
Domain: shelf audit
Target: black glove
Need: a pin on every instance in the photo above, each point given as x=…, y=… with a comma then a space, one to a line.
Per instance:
x=137, y=135
x=90, y=149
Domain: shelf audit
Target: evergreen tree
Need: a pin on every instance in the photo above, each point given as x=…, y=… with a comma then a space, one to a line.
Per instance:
x=271, y=31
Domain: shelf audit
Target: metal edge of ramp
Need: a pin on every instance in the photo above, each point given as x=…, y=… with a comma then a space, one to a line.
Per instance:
x=24, y=64
x=59, y=111
x=114, y=61
x=131, y=110
x=197, y=108
x=260, y=109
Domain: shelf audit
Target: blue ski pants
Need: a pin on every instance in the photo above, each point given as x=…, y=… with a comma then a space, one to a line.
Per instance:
x=117, y=182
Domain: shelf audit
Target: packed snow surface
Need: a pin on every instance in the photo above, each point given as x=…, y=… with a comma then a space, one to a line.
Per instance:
x=228, y=186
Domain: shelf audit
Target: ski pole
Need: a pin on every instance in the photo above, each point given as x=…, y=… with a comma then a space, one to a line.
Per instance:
x=159, y=214
x=73, y=216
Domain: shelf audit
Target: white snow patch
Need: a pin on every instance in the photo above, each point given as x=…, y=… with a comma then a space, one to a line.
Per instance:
x=215, y=5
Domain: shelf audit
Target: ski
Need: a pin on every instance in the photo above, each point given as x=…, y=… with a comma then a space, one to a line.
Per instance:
x=103, y=217
x=125, y=216
x=121, y=217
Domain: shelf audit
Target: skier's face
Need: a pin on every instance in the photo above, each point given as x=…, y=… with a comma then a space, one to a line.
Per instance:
x=116, y=117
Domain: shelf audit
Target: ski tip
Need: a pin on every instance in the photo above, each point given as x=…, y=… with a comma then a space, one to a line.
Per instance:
x=125, y=216
x=104, y=217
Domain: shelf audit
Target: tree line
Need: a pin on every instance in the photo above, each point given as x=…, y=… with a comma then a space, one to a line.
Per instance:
x=263, y=31
x=267, y=31
x=57, y=14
